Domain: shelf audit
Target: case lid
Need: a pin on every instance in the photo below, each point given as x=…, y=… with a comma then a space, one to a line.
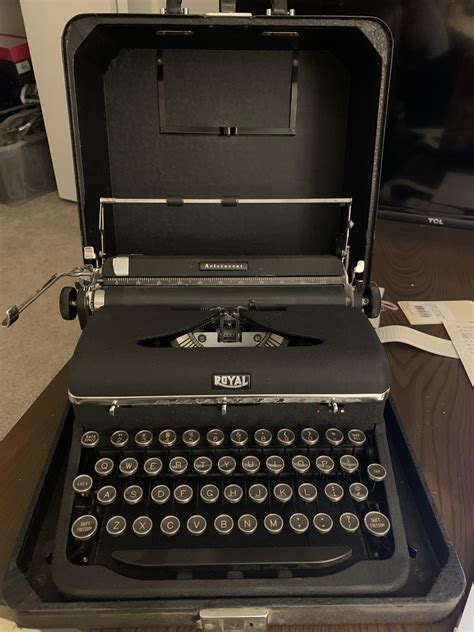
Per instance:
x=230, y=109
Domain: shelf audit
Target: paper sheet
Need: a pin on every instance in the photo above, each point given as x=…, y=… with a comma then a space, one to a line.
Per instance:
x=436, y=312
x=462, y=335
x=414, y=338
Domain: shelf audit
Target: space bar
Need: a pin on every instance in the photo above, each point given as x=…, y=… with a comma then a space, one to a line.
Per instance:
x=156, y=558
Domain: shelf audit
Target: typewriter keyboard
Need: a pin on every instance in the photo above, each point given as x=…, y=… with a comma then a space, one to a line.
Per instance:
x=157, y=502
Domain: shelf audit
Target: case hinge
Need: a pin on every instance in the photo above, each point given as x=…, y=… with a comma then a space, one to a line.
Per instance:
x=233, y=620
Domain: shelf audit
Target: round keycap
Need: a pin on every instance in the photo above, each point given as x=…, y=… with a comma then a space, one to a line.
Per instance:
x=104, y=467
x=349, y=522
x=258, y=493
x=334, y=492
x=183, y=494
x=299, y=523
x=119, y=438
x=152, y=466
x=116, y=525
x=323, y=522
x=128, y=466
x=377, y=523
x=196, y=525
x=143, y=438
x=334, y=436
x=209, y=493
x=285, y=436
x=273, y=523
x=324, y=464
x=310, y=436
x=133, y=494
x=178, y=465
x=202, y=465
x=90, y=439
x=106, y=495
x=275, y=464
x=300, y=463
x=282, y=492
x=250, y=464
x=358, y=491
x=263, y=437
x=307, y=492
x=167, y=438
x=239, y=437
x=247, y=523
x=226, y=464
x=170, y=525
x=160, y=494
x=233, y=493
x=215, y=437
x=357, y=437
x=223, y=524
x=82, y=483
x=142, y=525
x=348, y=463
x=84, y=527
x=376, y=471
x=191, y=438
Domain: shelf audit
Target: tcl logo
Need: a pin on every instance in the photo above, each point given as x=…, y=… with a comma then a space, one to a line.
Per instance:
x=436, y=220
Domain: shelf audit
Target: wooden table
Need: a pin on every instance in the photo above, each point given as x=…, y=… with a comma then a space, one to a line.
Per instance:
x=433, y=395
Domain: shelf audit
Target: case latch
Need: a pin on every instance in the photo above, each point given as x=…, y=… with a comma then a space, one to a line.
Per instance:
x=233, y=620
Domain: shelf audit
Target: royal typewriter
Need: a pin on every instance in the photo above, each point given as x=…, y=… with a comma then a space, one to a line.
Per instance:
x=228, y=432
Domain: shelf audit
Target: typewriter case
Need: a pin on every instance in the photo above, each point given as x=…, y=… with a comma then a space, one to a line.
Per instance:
x=277, y=122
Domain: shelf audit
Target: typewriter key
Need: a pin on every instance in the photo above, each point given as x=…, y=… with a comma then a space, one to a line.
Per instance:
x=348, y=463
x=250, y=464
x=275, y=464
x=104, y=467
x=376, y=471
x=358, y=491
x=183, y=494
x=310, y=436
x=282, y=492
x=167, y=438
x=334, y=492
x=106, y=495
x=299, y=523
x=191, y=438
x=170, y=525
x=142, y=525
x=286, y=436
x=133, y=494
x=357, y=437
x=258, y=493
x=116, y=525
x=143, y=438
x=233, y=493
x=119, y=438
x=128, y=466
x=215, y=437
x=226, y=464
x=377, y=523
x=349, y=522
x=239, y=437
x=300, y=463
x=263, y=437
x=247, y=524
x=82, y=483
x=324, y=464
x=202, y=465
x=323, y=522
x=196, y=525
x=273, y=523
x=90, y=439
x=334, y=436
x=223, y=524
x=209, y=493
x=84, y=527
x=152, y=466
x=307, y=492
x=160, y=494
x=178, y=465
